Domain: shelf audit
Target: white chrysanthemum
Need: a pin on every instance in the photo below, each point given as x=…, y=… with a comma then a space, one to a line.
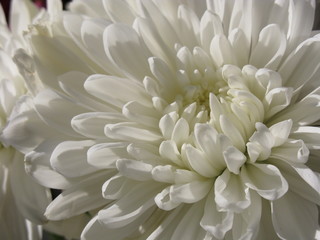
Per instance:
x=197, y=119
x=22, y=201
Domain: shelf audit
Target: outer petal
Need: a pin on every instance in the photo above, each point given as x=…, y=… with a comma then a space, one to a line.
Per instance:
x=271, y=45
x=30, y=197
x=294, y=217
x=37, y=164
x=231, y=193
x=25, y=137
x=96, y=230
x=302, y=180
x=48, y=103
x=266, y=179
x=128, y=51
x=130, y=206
x=79, y=198
x=246, y=224
x=70, y=158
x=188, y=226
x=214, y=221
x=114, y=90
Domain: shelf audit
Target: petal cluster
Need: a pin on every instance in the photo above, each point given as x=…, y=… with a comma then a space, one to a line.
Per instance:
x=175, y=119
x=22, y=201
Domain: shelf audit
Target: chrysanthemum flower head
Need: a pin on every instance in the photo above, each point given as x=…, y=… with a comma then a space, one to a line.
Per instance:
x=177, y=119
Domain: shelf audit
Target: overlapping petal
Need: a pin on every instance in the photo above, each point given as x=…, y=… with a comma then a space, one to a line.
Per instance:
x=176, y=119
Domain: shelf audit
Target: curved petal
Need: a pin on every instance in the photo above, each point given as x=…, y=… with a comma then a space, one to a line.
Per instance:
x=70, y=158
x=131, y=206
x=188, y=226
x=266, y=179
x=92, y=124
x=48, y=103
x=37, y=164
x=190, y=192
x=125, y=47
x=31, y=198
x=246, y=224
x=134, y=169
x=294, y=217
x=116, y=91
x=105, y=155
x=231, y=193
x=214, y=221
x=271, y=45
x=79, y=198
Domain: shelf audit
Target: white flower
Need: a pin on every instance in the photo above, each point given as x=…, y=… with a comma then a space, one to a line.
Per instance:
x=22, y=201
x=197, y=119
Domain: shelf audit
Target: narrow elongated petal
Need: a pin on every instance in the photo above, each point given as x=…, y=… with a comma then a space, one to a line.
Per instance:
x=123, y=45
x=78, y=199
x=70, y=158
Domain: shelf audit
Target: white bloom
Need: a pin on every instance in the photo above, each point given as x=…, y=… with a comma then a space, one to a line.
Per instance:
x=197, y=119
x=22, y=201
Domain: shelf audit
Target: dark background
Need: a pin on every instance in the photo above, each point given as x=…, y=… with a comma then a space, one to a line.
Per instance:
x=6, y=5
x=41, y=3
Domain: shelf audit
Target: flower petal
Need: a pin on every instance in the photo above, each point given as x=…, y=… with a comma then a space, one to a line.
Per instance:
x=139, y=113
x=131, y=206
x=128, y=131
x=302, y=180
x=309, y=135
x=234, y=159
x=164, y=200
x=105, y=155
x=294, y=151
x=304, y=112
x=70, y=158
x=79, y=198
x=294, y=217
x=209, y=142
x=72, y=84
x=134, y=169
x=246, y=224
x=281, y=131
x=188, y=226
x=210, y=25
x=30, y=197
x=265, y=179
x=190, y=192
x=92, y=124
x=301, y=64
x=214, y=221
x=119, y=11
x=37, y=164
x=48, y=103
x=96, y=230
x=107, y=88
x=271, y=45
x=123, y=45
x=198, y=161
x=117, y=186
x=230, y=193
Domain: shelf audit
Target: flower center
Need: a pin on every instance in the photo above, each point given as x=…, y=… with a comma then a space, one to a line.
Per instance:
x=230, y=100
x=200, y=87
